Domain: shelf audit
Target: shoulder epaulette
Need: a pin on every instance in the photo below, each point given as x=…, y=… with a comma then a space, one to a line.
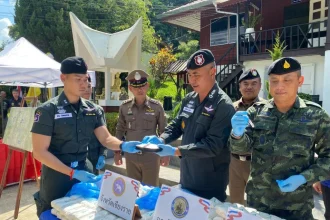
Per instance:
x=307, y=102
x=126, y=101
x=261, y=102
x=154, y=101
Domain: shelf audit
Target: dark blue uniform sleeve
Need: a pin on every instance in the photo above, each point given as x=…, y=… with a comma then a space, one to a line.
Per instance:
x=173, y=131
x=217, y=135
x=43, y=121
x=100, y=117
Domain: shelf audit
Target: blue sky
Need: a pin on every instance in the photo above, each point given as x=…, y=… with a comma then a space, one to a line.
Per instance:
x=7, y=11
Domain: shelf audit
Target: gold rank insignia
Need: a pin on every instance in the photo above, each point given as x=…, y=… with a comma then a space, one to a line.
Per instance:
x=183, y=125
x=150, y=110
x=286, y=65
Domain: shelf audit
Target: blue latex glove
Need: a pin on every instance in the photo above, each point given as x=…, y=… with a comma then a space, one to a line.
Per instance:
x=291, y=183
x=153, y=139
x=100, y=162
x=84, y=176
x=167, y=150
x=239, y=122
x=129, y=146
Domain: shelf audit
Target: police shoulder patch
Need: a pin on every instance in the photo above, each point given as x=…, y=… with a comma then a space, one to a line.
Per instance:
x=154, y=101
x=312, y=103
x=126, y=101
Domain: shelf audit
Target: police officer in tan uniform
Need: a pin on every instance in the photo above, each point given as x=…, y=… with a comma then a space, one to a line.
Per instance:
x=239, y=169
x=139, y=117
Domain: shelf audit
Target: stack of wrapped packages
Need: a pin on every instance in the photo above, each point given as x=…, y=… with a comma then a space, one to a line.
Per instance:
x=218, y=211
x=79, y=208
x=81, y=203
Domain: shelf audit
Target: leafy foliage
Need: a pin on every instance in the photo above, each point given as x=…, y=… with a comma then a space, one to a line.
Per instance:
x=158, y=64
x=252, y=21
x=186, y=49
x=278, y=48
x=112, y=120
x=152, y=92
x=176, y=109
x=305, y=96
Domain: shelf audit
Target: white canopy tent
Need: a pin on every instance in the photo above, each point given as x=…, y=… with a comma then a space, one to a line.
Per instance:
x=23, y=64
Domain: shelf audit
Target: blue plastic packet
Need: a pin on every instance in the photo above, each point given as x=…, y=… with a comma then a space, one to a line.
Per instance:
x=149, y=201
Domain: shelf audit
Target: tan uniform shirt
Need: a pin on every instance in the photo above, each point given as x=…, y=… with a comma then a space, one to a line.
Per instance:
x=239, y=105
x=135, y=122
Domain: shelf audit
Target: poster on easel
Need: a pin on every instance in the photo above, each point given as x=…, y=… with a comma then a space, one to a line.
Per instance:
x=18, y=130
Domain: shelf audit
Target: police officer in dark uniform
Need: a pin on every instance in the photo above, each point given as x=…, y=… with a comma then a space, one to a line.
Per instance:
x=204, y=123
x=62, y=129
x=96, y=152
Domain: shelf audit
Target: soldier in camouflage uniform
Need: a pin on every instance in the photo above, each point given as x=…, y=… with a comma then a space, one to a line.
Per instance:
x=284, y=134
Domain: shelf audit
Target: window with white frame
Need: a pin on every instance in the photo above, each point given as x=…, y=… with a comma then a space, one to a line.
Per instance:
x=223, y=30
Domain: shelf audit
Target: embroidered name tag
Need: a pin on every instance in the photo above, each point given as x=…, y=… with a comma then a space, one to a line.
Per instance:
x=65, y=115
x=186, y=109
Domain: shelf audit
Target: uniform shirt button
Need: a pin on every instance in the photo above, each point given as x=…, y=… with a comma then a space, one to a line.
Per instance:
x=79, y=130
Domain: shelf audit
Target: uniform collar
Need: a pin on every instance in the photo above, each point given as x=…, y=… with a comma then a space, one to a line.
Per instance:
x=63, y=101
x=241, y=102
x=299, y=103
x=146, y=102
x=211, y=93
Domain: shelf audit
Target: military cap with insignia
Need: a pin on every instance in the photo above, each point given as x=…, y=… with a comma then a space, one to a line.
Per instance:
x=249, y=74
x=283, y=66
x=73, y=65
x=137, y=78
x=199, y=59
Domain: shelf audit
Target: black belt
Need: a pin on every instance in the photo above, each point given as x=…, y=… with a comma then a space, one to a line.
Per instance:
x=242, y=157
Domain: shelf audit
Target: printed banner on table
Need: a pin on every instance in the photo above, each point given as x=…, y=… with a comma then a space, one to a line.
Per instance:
x=118, y=194
x=173, y=204
x=236, y=214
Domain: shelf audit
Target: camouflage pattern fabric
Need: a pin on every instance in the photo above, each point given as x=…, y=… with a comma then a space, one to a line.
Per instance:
x=282, y=145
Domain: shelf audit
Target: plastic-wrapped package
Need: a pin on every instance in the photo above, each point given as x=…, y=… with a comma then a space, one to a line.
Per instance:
x=81, y=213
x=149, y=199
x=218, y=211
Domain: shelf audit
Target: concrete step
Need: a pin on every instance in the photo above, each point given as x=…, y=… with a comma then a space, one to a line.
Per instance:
x=169, y=175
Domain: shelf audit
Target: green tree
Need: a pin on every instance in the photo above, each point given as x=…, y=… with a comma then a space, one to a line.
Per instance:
x=276, y=53
x=169, y=35
x=158, y=64
x=186, y=49
x=46, y=23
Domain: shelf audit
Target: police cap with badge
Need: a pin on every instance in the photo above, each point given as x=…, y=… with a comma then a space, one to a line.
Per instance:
x=137, y=78
x=249, y=74
x=199, y=59
x=74, y=65
x=283, y=66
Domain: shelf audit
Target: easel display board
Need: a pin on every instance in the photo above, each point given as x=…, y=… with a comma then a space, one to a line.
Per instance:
x=18, y=137
x=18, y=131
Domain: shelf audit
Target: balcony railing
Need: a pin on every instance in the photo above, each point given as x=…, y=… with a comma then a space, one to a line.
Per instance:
x=302, y=36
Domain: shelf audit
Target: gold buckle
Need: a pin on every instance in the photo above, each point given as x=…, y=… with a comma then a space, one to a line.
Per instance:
x=242, y=158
